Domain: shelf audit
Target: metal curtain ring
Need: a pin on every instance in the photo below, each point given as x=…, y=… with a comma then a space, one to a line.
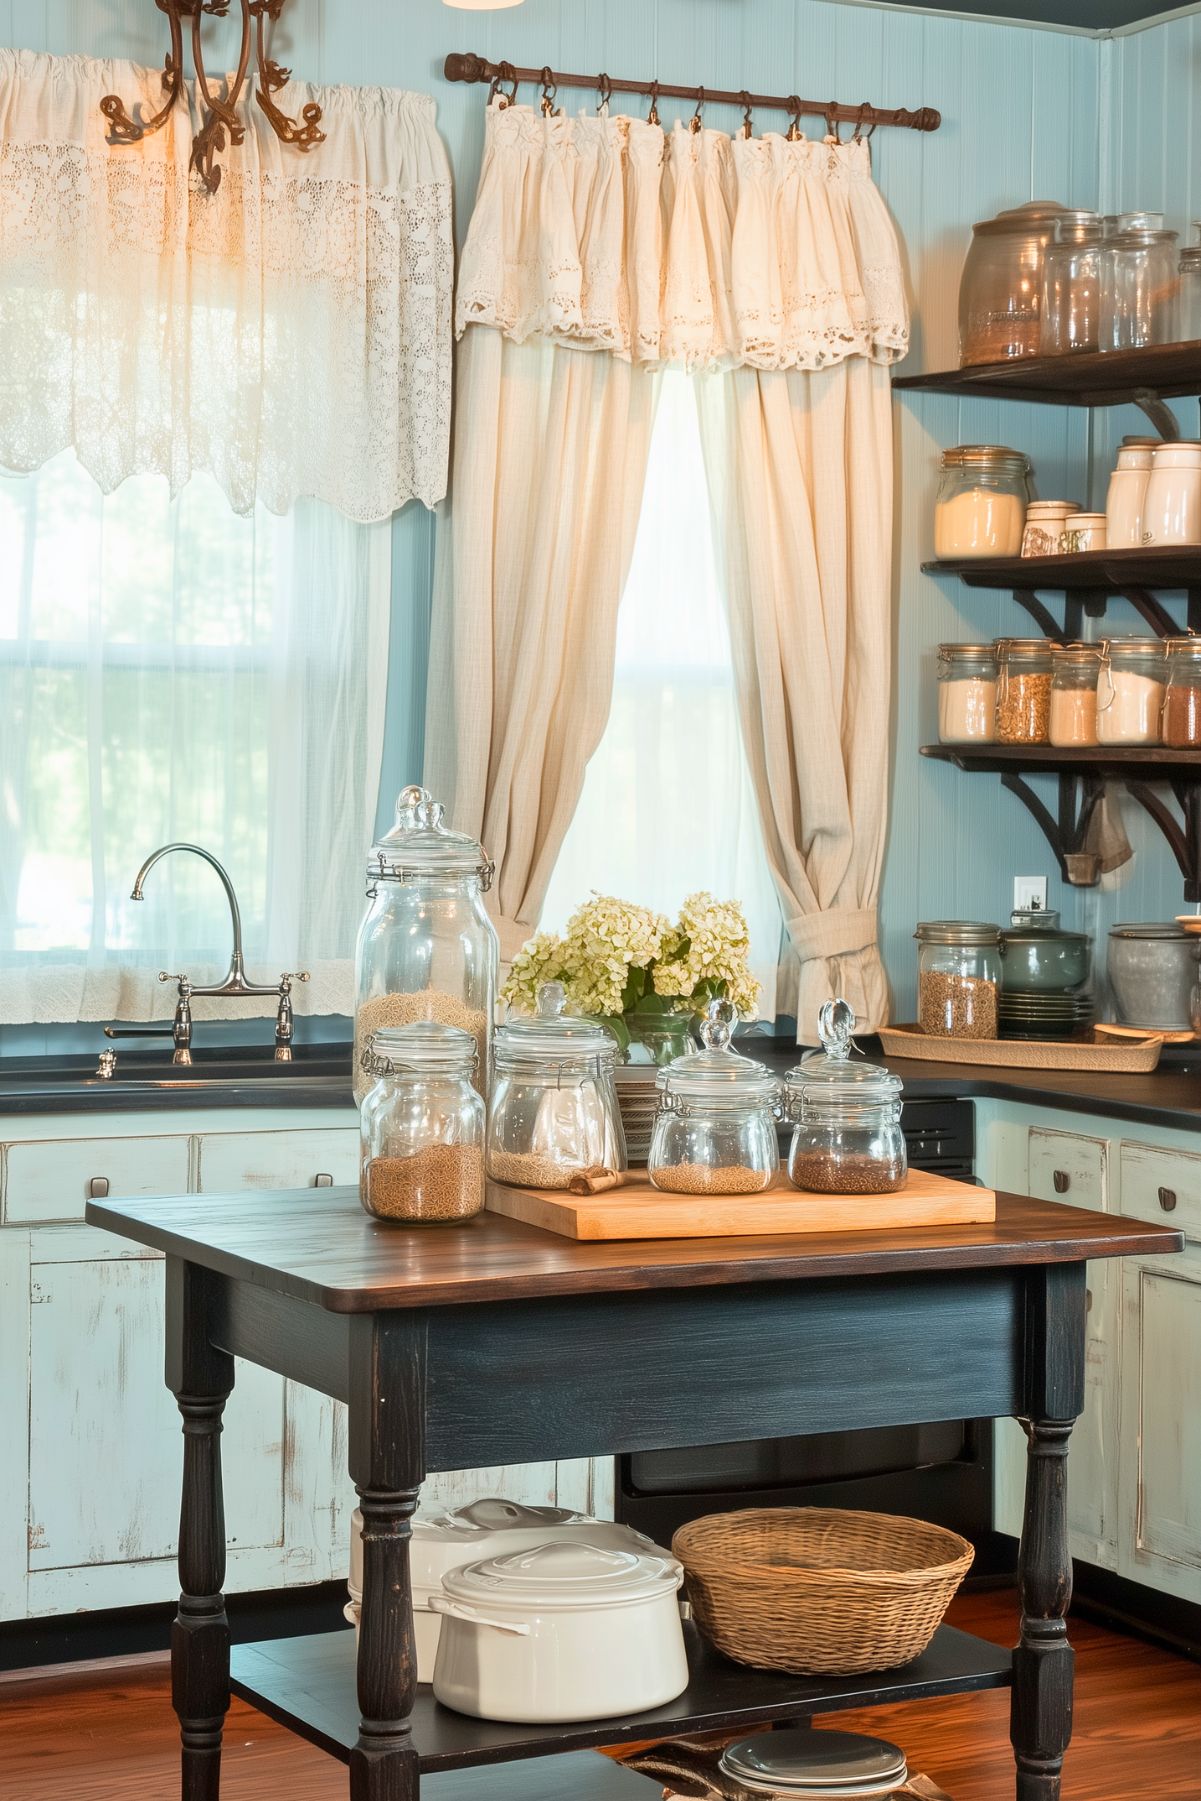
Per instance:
x=748, y=121
x=696, y=121
x=794, y=113
x=604, y=89
x=550, y=89
x=652, y=118
x=832, y=121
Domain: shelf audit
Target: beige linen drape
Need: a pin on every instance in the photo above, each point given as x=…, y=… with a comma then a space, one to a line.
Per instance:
x=549, y=465
x=800, y=472
x=600, y=250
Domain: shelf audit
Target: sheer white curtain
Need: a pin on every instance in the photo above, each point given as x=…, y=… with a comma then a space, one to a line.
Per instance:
x=668, y=806
x=171, y=671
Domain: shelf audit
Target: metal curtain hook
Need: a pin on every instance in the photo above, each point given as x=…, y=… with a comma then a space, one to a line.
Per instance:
x=504, y=72
x=794, y=113
x=696, y=121
x=549, y=90
x=604, y=89
x=652, y=118
x=832, y=121
x=860, y=136
x=748, y=121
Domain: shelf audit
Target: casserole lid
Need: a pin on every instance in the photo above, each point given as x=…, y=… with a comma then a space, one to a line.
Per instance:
x=829, y=1074
x=718, y=1072
x=832, y=1763
x=1151, y=932
x=564, y=1575
x=1035, y=925
x=551, y=1036
x=420, y=844
x=488, y=1527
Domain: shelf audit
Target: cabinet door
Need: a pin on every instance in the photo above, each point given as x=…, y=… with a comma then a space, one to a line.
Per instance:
x=105, y=1448
x=229, y=1161
x=1067, y=1167
x=1161, y=1467
x=50, y=1179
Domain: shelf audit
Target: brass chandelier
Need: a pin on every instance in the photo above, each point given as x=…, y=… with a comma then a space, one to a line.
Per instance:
x=221, y=117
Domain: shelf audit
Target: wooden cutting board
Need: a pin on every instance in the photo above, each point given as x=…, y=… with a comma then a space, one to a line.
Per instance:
x=638, y=1210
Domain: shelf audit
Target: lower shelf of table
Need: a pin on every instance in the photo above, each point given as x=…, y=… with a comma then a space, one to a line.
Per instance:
x=308, y=1684
x=582, y=1775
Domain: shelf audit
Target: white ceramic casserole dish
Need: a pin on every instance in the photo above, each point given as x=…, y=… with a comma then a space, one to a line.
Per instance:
x=486, y=1528
x=560, y=1632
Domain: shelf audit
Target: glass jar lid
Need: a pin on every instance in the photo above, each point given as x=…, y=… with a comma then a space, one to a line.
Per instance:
x=423, y=1047
x=420, y=844
x=1017, y=219
x=1076, y=226
x=552, y=1036
x=1189, y=648
x=829, y=1073
x=1131, y=650
x=835, y=1763
x=957, y=931
x=966, y=653
x=717, y=1072
x=1079, y=654
x=990, y=456
x=1017, y=650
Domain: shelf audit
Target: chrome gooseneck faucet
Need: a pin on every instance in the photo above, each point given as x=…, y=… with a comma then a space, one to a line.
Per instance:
x=232, y=984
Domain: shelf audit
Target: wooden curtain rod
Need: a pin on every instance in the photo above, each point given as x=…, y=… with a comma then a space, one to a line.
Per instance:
x=460, y=67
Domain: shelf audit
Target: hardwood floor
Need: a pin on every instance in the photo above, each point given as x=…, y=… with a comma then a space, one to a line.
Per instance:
x=109, y=1734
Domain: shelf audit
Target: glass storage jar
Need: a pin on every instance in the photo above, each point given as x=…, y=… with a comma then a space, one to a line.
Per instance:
x=1130, y=691
x=846, y=1116
x=1182, y=694
x=1023, y=690
x=1073, y=716
x=967, y=693
x=422, y=1125
x=1188, y=299
x=980, y=507
x=1139, y=279
x=427, y=948
x=553, y=1110
x=715, y=1129
x=958, y=978
x=1001, y=289
x=1071, y=302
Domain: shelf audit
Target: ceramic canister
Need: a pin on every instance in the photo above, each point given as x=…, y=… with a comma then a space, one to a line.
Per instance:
x=1172, y=504
x=1127, y=492
x=1046, y=521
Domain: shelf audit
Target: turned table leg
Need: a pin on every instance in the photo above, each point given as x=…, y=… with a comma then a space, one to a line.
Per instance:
x=1043, y=1662
x=201, y=1378
x=387, y=1449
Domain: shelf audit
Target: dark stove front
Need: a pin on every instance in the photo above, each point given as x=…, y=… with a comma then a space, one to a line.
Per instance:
x=941, y=1472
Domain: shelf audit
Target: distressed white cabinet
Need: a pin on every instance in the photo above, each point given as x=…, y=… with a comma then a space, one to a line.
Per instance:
x=1134, y=1469
x=90, y=1471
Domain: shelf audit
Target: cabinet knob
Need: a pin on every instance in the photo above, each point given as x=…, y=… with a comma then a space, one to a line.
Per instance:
x=1062, y=1181
x=323, y=1181
x=1167, y=1199
x=1088, y=1300
x=97, y=1188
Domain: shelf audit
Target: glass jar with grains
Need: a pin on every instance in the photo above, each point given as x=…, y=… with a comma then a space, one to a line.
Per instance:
x=847, y=1136
x=1074, y=672
x=980, y=507
x=421, y=1126
x=553, y=1112
x=1182, y=694
x=427, y=948
x=1023, y=690
x=967, y=693
x=958, y=978
x=1130, y=691
x=715, y=1130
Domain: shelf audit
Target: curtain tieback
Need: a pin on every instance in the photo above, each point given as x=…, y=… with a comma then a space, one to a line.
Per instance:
x=838, y=933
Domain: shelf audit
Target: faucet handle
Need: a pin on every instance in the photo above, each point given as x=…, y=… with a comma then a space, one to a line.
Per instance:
x=182, y=982
x=289, y=976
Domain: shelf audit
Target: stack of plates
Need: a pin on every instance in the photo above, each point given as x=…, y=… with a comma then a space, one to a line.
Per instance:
x=1044, y=1015
x=816, y=1766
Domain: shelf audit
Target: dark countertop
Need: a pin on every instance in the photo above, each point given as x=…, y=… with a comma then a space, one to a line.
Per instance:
x=319, y=1077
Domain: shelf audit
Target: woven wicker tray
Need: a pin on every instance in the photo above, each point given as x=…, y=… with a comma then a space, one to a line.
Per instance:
x=1129, y=1056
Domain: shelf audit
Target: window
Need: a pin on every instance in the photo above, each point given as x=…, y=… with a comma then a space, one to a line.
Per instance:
x=169, y=670
x=667, y=806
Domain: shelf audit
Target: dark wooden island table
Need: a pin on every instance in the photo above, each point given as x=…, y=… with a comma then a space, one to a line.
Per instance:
x=497, y=1343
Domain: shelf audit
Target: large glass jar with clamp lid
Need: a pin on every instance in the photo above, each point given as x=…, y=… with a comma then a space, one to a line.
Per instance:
x=427, y=948
x=715, y=1131
x=846, y=1116
x=553, y=1113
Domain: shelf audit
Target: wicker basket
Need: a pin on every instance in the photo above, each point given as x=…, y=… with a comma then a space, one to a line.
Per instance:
x=819, y=1590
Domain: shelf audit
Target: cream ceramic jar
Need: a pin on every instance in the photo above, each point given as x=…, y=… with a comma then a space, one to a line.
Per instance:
x=1127, y=492
x=560, y=1632
x=1172, y=503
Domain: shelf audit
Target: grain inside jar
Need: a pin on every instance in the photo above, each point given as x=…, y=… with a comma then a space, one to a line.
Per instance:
x=438, y=1183
x=1024, y=691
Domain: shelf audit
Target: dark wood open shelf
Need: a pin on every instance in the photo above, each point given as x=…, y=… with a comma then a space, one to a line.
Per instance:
x=1112, y=570
x=1153, y=763
x=308, y=1684
x=1086, y=378
x=584, y=1776
x=1143, y=771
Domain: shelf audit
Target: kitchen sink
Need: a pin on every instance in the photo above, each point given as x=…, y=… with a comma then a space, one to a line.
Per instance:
x=317, y=1075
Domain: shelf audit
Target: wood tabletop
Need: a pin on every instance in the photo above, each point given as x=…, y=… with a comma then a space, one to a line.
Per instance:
x=317, y=1244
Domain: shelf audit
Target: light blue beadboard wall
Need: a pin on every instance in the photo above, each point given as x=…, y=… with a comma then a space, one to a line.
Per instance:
x=1022, y=118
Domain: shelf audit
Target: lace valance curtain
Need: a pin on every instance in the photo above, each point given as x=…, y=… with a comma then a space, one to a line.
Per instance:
x=291, y=333
x=771, y=269
x=681, y=247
